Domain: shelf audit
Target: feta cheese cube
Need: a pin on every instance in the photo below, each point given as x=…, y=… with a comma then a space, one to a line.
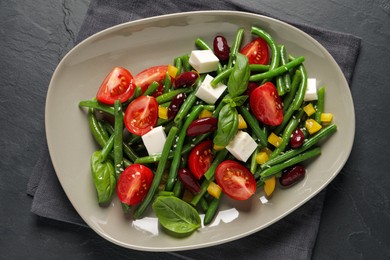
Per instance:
x=242, y=146
x=311, y=90
x=203, y=61
x=154, y=140
x=208, y=93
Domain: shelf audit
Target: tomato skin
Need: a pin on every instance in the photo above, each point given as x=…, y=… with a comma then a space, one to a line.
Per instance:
x=235, y=180
x=141, y=115
x=118, y=84
x=147, y=76
x=200, y=158
x=256, y=51
x=134, y=184
x=266, y=104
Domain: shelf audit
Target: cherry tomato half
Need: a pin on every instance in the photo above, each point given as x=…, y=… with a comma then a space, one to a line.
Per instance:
x=118, y=84
x=256, y=51
x=266, y=104
x=235, y=180
x=146, y=77
x=134, y=183
x=200, y=158
x=141, y=115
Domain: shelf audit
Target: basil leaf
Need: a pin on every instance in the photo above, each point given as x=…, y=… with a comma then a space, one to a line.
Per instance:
x=227, y=125
x=177, y=216
x=239, y=77
x=235, y=102
x=103, y=174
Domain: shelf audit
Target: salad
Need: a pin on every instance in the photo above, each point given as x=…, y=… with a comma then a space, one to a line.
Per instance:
x=221, y=120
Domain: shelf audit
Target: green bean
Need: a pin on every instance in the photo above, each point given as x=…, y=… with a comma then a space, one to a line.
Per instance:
x=118, y=133
x=271, y=43
x=289, y=97
x=320, y=104
x=96, y=105
x=220, y=77
x=151, y=88
x=220, y=156
x=254, y=125
x=128, y=151
x=107, y=149
x=170, y=95
x=286, y=118
x=324, y=132
x=185, y=61
x=253, y=165
x=203, y=189
x=278, y=70
x=95, y=129
x=212, y=210
x=175, y=164
x=273, y=170
x=235, y=47
x=159, y=172
x=137, y=93
x=204, y=204
x=258, y=67
x=179, y=65
x=280, y=85
x=288, y=130
x=178, y=189
x=284, y=61
x=167, y=83
x=298, y=100
x=187, y=104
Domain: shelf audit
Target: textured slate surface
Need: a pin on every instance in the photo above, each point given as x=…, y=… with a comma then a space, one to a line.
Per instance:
x=35, y=35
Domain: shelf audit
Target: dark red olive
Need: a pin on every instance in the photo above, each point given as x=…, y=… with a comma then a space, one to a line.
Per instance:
x=202, y=126
x=297, y=138
x=221, y=48
x=292, y=175
x=175, y=105
x=189, y=181
x=186, y=79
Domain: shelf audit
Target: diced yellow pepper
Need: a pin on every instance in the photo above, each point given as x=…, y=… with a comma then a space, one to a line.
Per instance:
x=163, y=112
x=312, y=126
x=274, y=139
x=218, y=148
x=263, y=155
x=269, y=186
x=172, y=71
x=241, y=122
x=214, y=190
x=309, y=109
x=205, y=113
x=326, y=118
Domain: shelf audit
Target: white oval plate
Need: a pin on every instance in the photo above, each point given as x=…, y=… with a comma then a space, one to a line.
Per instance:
x=153, y=41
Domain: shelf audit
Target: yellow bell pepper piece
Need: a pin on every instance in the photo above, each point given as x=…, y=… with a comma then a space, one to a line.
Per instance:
x=205, y=113
x=214, y=190
x=326, y=118
x=263, y=155
x=269, y=186
x=163, y=112
x=217, y=147
x=274, y=139
x=312, y=126
x=241, y=122
x=172, y=71
x=309, y=109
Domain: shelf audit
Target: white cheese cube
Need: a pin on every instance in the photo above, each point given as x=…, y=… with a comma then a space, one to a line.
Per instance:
x=203, y=61
x=154, y=140
x=208, y=93
x=311, y=90
x=242, y=146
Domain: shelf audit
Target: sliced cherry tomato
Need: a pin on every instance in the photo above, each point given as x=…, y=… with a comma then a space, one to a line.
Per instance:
x=235, y=180
x=146, y=77
x=256, y=51
x=141, y=115
x=134, y=184
x=266, y=104
x=118, y=84
x=200, y=158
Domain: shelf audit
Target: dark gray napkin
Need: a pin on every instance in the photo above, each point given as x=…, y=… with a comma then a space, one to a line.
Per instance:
x=291, y=238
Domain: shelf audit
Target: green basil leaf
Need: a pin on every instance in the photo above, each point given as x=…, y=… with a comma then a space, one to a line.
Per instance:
x=227, y=125
x=103, y=174
x=239, y=77
x=177, y=216
x=235, y=102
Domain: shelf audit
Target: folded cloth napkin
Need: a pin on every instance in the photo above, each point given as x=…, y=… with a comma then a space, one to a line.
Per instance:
x=294, y=236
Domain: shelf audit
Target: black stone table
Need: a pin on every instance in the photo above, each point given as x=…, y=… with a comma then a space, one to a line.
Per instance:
x=35, y=35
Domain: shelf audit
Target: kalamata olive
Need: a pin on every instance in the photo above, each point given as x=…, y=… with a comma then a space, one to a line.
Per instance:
x=189, y=181
x=221, y=48
x=175, y=104
x=297, y=138
x=186, y=79
x=202, y=126
x=292, y=175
